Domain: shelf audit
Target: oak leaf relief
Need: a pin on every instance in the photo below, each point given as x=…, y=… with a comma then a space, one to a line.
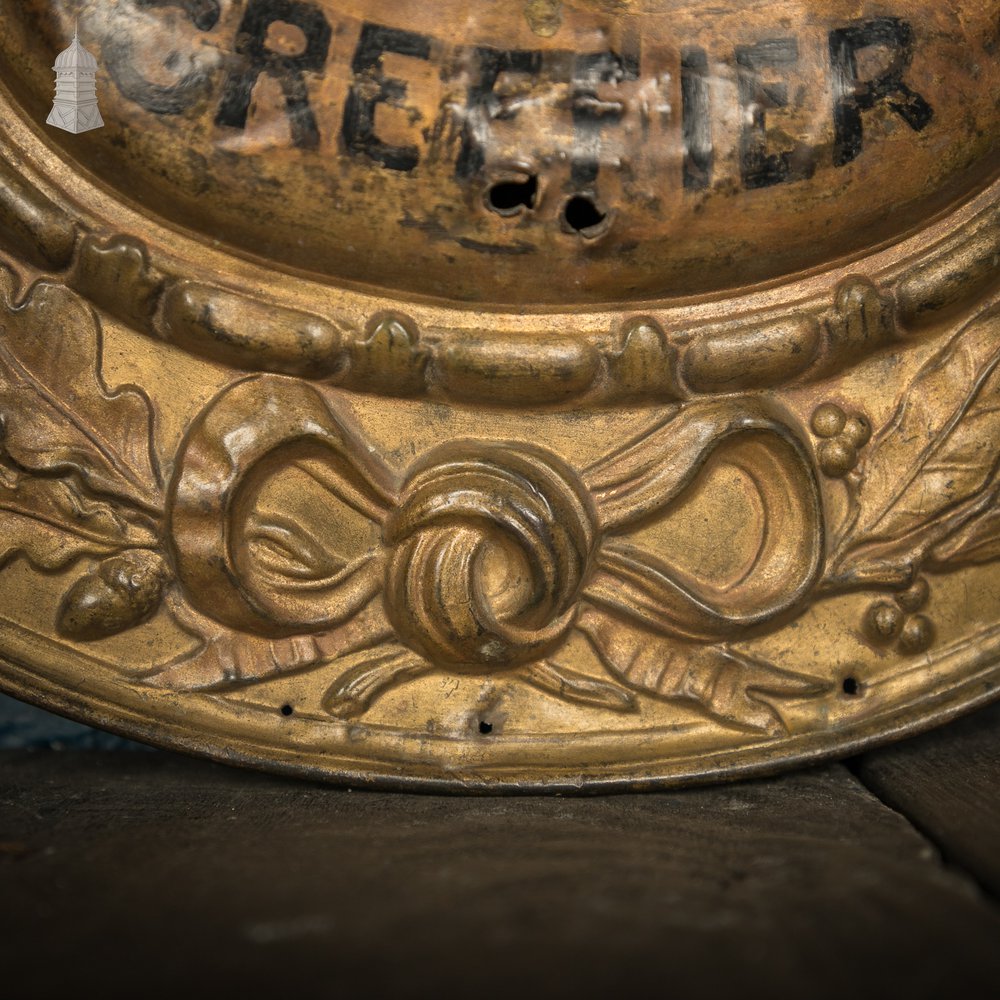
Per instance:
x=931, y=472
x=59, y=417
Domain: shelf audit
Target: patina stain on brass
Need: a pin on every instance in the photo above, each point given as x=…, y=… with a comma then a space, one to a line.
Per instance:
x=525, y=395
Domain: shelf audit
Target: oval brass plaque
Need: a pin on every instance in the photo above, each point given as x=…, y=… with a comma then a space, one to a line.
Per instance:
x=553, y=395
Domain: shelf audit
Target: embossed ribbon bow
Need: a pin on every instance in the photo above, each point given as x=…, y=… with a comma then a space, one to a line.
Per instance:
x=486, y=553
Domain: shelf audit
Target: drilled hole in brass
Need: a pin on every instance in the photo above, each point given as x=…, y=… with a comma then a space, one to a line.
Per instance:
x=584, y=216
x=851, y=687
x=512, y=197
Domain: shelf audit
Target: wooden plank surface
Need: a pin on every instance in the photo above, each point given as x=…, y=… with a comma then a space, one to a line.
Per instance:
x=148, y=873
x=947, y=783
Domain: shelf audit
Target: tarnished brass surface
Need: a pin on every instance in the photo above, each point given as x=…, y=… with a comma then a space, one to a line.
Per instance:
x=548, y=394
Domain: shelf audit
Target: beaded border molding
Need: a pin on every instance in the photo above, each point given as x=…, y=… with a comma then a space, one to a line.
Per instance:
x=790, y=333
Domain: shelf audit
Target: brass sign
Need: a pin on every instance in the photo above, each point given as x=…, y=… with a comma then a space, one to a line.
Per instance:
x=538, y=395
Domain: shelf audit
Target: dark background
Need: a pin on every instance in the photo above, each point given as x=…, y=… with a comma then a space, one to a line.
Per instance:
x=127, y=872
x=24, y=727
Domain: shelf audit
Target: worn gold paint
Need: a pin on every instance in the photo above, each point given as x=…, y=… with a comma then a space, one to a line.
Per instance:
x=560, y=433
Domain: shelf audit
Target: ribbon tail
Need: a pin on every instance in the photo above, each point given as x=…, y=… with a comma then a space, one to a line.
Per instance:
x=634, y=584
x=370, y=674
x=570, y=685
x=631, y=584
x=735, y=688
x=224, y=658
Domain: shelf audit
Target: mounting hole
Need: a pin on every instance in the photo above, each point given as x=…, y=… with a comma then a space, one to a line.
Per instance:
x=485, y=727
x=583, y=215
x=851, y=686
x=287, y=710
x=512, y=197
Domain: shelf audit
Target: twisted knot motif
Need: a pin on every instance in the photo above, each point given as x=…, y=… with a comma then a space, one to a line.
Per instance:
x=484, y=551
x=489, y=551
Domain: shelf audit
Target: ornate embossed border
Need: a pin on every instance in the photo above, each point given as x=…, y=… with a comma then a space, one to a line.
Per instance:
x=168, y=721
x=789, y=332
x=800, y=331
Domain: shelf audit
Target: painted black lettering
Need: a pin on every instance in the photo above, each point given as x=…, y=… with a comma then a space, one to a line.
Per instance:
x=483, y=104
x=696, y=116
x=759, y=167
x=257, y=58
x=371, y=87
x=853, y=95
x=158, y=98
x=591, y=113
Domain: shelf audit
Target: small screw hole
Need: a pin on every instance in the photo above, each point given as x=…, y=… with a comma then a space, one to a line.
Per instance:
x=287, y=710
x=851, y=686
x=485, y=727
x=582, y=215
x=512, y=197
